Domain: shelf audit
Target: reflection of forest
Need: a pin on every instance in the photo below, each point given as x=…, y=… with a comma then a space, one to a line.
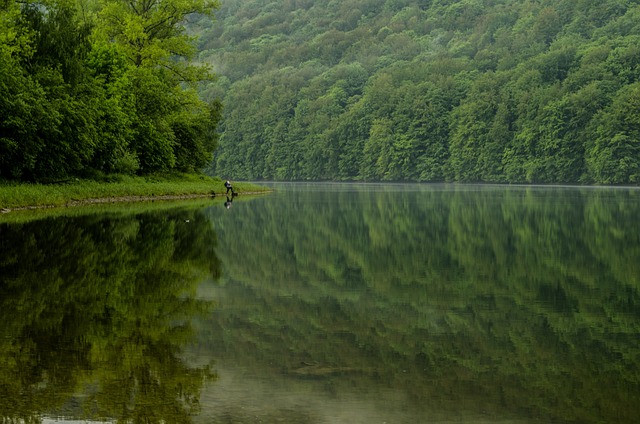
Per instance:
x=95, y=311
x=516, y=302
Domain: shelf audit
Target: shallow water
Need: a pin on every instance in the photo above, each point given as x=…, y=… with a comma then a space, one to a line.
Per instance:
x=329, y=303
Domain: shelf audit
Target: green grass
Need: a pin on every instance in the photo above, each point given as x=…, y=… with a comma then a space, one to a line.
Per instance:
x=13, y=195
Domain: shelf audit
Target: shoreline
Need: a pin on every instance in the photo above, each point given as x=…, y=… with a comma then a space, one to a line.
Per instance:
x=125, y=199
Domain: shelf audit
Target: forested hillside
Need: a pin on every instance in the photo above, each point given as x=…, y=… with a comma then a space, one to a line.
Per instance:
x=516, y=91
x=94, y=87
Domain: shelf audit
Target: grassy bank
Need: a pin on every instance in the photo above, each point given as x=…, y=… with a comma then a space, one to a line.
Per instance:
x=40, y=195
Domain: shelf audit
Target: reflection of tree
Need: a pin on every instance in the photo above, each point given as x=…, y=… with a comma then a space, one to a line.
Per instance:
x=512, y=300
x=101, y=305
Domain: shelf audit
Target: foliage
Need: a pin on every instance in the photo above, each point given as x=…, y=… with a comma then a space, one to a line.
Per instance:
x=486, y=91
x=95, y=88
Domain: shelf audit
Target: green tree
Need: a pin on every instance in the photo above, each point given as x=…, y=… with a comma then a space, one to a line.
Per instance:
x=172, y=127
x=26, y=117
x=565, y=129
x=615, y=155
x=98, y=88
x=474, y=154
x=49, y=124
x=152, y=33
x=375, y=161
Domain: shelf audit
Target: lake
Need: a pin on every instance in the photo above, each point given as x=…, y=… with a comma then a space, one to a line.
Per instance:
x=326, y=303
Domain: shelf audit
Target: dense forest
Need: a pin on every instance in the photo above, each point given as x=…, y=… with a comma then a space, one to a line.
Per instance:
x=522, y=91
x=94, y=87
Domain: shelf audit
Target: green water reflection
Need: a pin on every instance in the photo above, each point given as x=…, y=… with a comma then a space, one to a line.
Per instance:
x=472, y=303
x=333, y=303
x=95, y=311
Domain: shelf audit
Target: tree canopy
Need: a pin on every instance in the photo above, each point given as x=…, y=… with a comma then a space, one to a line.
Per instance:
x=96, y=87
x=475, y=90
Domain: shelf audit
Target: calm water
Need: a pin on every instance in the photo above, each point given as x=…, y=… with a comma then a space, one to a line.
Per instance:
x=325, y=303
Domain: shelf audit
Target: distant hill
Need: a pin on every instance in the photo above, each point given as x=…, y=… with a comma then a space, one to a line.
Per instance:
x=516, y=91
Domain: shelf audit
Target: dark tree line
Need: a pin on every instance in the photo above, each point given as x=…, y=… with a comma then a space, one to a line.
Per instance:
x=91, y=88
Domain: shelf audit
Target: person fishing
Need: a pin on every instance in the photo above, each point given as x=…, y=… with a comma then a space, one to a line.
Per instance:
x=229, y=187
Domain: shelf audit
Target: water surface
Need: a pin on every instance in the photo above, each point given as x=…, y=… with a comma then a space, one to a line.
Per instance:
x=329, y=303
